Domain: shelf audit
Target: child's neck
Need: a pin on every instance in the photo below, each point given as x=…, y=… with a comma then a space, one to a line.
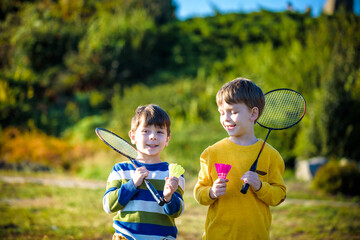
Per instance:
x=244, y=141
x=148, y=159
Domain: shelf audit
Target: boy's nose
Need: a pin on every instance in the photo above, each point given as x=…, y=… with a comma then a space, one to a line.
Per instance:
x=227, y=116
x=152, y=136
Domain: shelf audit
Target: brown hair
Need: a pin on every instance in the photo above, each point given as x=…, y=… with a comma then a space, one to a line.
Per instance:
x=241, y=90
x=150, y=115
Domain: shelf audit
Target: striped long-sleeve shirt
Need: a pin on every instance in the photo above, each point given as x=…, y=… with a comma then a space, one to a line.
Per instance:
x=138, y=215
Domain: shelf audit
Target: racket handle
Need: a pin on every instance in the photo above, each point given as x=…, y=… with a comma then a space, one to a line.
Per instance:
x=244, y=188
x=154, y=193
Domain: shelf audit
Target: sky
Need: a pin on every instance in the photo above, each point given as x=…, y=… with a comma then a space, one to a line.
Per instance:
x=201, y=8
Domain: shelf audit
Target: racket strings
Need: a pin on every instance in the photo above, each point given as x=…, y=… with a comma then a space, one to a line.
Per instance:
x=283, y=109
x=118, y=143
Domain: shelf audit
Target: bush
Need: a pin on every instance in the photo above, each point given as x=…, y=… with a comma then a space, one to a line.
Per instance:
x=38, y=148
x=338, y=177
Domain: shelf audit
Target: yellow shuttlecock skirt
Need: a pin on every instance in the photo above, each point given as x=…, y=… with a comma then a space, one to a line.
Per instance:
x=176, y=170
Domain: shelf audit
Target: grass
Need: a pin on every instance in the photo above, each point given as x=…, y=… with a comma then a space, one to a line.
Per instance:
x=35, y=211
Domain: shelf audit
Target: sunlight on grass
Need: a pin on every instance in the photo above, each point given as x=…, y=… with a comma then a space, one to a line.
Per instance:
x=34, y=211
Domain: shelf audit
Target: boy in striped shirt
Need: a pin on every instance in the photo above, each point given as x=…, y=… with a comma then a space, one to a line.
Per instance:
x=138, y=215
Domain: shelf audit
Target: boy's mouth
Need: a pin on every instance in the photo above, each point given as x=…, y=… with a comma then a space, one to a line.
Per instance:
x=229, y=127
x=152, y=145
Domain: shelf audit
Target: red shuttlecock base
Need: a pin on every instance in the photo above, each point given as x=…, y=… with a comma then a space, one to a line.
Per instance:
x=222, y=170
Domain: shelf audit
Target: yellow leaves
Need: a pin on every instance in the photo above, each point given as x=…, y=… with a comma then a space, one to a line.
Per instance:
x=5, y=93
x=37, y=147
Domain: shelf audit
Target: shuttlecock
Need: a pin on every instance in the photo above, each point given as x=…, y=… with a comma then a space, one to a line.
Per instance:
x=222, y=169
x=175, y=170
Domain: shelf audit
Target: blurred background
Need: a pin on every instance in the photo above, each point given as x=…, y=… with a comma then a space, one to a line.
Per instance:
x=67, y=67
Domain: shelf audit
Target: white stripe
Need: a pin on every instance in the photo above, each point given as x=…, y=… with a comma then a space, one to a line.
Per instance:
x=183, y=206
x=121, y=174
x=114, y=176
x=145, y=206
x=182, y=183
x=106, y=203
x=159, y=175
x=124, y=231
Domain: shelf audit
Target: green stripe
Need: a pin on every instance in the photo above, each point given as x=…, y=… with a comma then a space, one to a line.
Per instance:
x=145, y=217
x=113, y=198
x=116, y=183
x=159, y=186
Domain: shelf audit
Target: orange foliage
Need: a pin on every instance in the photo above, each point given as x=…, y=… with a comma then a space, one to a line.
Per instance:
x=37, y=147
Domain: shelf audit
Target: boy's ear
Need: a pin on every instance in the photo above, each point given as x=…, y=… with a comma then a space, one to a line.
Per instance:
x=254, y=114
x=167, y=140
x=132, y=137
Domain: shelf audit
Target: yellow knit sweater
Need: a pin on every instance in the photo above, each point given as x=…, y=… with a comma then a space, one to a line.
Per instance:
x=236, y=215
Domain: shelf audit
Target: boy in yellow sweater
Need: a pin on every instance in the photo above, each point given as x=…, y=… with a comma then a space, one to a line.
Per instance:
x=232, y=215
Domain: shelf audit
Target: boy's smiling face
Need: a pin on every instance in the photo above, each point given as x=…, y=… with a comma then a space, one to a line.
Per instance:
x=238, y=120
x=150, y=140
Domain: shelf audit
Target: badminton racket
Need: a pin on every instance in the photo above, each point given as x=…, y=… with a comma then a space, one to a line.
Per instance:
x=126, y=149
x=284, y=108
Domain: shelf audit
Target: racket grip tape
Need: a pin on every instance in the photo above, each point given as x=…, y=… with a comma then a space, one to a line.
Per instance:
x=244, y=188
x=154, y=193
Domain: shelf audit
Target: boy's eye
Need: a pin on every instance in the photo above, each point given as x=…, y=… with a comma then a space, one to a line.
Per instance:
x=234, y=112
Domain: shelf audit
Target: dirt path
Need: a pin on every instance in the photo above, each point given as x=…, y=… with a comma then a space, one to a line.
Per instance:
x=61, y=182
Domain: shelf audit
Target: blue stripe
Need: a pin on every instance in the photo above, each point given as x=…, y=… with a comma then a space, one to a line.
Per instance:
x=162, y=167
x=173, y=206
x=147, y=229
x=123, y=166
x=110, y=190
x=127, y=192
x=144, y=194
x=178, y=195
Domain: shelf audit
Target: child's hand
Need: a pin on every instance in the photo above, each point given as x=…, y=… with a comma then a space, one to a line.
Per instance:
x=171, y=185
x=139, y=176
x=219, y=188
x=253, y=180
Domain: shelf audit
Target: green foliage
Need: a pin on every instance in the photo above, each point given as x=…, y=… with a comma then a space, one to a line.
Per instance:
x=57, y=51
x=192, y=110
x=67, y=65
x=338, y=177
x=84, y=130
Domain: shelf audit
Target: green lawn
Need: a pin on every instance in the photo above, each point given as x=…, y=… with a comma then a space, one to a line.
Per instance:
x=35, y=211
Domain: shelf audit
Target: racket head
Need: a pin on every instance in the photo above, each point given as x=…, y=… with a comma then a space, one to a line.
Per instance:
x=116, y=142
x=284, y=108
